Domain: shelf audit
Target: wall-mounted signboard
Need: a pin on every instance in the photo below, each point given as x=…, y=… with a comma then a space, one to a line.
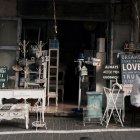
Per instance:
x=111, y=72
x=130, y=67
x=3, y=76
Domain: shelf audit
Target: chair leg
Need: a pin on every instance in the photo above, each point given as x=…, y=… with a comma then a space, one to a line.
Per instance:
x=62, y=95
x=56, y=99
x=48, y=101
x=133, y=118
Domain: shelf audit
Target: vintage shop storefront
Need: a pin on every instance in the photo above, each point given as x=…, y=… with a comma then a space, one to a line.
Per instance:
x=95, y=29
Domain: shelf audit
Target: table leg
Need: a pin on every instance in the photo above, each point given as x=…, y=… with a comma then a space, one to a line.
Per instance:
x=27, y=121
x=43, y=107
x=44, y=102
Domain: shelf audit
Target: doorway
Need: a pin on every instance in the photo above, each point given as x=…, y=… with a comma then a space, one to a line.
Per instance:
x=75, y=37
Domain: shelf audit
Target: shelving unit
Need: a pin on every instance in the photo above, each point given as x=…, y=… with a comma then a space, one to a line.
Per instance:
x=36, y=77
x=53, y=67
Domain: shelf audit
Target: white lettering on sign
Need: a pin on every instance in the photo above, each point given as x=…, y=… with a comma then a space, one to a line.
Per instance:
x=131, y=57
x=111, y=67
x=129, y=76
x=131, y=66
x=110, y=77
x=1, y=75
x=2, y=70
x=3, y=85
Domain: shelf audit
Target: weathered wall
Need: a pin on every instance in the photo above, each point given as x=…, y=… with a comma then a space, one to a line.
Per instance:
x=121, y=28
x=43, y=9
x=8, y=39
x=8, y=32
x=8, y=8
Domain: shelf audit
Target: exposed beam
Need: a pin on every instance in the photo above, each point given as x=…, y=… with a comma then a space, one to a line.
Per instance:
x=77, y=1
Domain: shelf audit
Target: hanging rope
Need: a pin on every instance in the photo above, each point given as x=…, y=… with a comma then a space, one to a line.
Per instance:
x=54, y=16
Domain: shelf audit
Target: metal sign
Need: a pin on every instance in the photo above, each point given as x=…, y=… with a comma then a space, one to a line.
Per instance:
x=3, y=76
x=130, y=67
x=111, y=72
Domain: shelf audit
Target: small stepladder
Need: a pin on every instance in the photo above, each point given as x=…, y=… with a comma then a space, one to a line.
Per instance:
x=112, y=108
x=53, y=67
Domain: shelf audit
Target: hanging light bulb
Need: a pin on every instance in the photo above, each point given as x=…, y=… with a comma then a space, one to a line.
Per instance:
x=84, y=71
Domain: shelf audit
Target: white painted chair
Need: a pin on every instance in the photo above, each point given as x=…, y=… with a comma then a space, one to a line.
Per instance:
x=115, y=104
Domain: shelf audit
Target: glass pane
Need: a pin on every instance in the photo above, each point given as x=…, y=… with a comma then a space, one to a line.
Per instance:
x=53, y=53
x=53, y=71
x=53, y=61
x=8, y=33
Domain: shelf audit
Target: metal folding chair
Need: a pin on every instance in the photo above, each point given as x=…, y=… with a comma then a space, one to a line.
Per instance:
x=114, y=105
